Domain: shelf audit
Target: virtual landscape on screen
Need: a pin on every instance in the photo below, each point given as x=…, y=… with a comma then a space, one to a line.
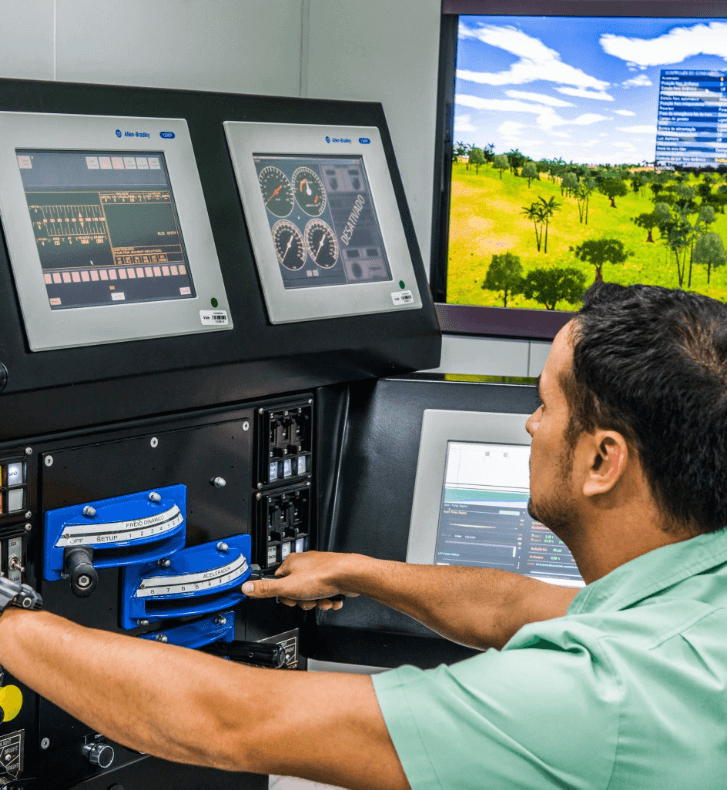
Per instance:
x=587, y=149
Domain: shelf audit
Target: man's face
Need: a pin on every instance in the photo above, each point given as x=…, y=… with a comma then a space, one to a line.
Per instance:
x=552, y=499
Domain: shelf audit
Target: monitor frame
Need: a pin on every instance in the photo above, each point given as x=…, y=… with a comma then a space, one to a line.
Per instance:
x=49, y=329
x=439, y=427
x=248, y=139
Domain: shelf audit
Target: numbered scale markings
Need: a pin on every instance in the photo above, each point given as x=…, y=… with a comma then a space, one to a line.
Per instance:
x=192, y=582
x=121, y=531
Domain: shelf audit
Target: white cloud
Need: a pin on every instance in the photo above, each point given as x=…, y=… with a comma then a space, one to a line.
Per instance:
x=463, y=123
x=588, y=118
x=642, y=81
x=541, y=98
x=559, y=134
x=537, y=62
x=586, y=94
x=648, y=129
x=675, y=46
x=510, y=128
x=603, y=134
x=625, y=146
x=624, y=112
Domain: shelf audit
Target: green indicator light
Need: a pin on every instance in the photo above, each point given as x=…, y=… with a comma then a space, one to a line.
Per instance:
x=214, y=302
x=402, y=284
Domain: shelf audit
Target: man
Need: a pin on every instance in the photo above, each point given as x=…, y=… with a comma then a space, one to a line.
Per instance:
x=620, y=686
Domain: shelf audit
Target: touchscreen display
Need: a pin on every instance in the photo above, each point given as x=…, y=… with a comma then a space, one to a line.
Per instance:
x=484, y=522
x=322, y=220
x=106, y=227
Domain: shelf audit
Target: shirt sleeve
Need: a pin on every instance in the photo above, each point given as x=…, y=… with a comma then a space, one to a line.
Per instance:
x=541, y=716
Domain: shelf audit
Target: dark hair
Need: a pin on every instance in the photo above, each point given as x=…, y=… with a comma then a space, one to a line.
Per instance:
x=651, y=363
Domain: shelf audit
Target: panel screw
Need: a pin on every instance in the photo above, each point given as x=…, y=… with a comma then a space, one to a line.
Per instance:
x=246, y=426
x=83, y=581
x=29, y=451
x=310, y=400
x=259, y=485
x=154, y=497
x=164, y=563
x=142, y=622
x=161, y=638
x=28, y=514
x=154, y=441
x=258, y=497
x=222, y=546
x=49, y=460
x=261, y=411
x=45, y=743
x=89, y=511
x=220, y=620
x=28, y=527
x=219, y=482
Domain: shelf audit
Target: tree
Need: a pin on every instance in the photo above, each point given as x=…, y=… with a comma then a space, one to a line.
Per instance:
x=598, y=252
x=583, y=197
x=529, y=171
x=569, y=184
x=500, y=163
x=709, y=251
x=547, y=209
x=505, y=275
x=613, y=188
x=550, y=286
x=476, y=158
x=516, y=158
x=648, y=221
x=532, y=212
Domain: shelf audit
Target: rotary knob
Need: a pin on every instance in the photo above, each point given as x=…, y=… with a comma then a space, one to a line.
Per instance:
x=100, y=754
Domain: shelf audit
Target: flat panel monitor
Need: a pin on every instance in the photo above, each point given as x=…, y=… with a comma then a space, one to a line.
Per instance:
x=471, y=496
x=107, y=229
x=323, y=220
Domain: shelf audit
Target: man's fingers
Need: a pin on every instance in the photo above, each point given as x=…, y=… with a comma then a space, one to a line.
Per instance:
x=262, y=588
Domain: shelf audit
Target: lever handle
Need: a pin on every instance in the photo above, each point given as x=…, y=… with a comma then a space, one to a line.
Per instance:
x=78, y=564
x=259, y=654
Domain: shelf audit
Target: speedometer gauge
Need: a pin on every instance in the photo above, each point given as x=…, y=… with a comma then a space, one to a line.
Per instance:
x=309, y=191
x=289, y=245
x=321, y=243
x=277, y=191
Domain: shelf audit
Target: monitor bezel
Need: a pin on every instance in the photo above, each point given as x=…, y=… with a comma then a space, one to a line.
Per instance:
x=248, y=139
x=49, y=329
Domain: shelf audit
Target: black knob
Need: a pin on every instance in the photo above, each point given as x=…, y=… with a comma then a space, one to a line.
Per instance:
x=78, y=564
x=100, y=754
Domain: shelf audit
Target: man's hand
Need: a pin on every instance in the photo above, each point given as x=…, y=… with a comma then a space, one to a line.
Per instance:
x=307, y=580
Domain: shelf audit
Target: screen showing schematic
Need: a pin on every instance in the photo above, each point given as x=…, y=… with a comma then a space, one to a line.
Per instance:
x=106, y=227
x=322, y=220
x=484, y=521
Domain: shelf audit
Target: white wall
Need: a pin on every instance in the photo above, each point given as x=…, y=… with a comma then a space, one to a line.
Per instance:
x=372, y=50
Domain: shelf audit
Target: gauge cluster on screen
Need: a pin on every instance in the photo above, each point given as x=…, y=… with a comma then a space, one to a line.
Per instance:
x=322, y=220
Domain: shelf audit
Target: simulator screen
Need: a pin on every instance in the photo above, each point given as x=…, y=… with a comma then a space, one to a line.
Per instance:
x=587, y=149
x=322, y=220
x=106, y=227
x=484, y=521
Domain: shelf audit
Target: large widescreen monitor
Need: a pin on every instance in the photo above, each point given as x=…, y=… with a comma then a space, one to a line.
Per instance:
x=323, y=220
x=107, y=229
x=586, y=148
x=471, y=496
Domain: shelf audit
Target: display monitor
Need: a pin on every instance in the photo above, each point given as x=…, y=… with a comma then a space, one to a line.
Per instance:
x=323, y=220
x=107, y=229
x=471, y=500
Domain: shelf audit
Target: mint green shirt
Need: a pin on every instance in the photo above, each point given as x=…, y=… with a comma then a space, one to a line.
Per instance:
x=628, y=690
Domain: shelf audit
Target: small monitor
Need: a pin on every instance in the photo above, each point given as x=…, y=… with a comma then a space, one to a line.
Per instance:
x=323, y=220
x=471, y=497
x=107, y=229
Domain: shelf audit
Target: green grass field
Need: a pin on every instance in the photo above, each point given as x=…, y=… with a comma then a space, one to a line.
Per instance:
x=486, y=218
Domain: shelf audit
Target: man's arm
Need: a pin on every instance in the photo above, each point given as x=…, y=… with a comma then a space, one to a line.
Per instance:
x=157, y=698
x=478, y=607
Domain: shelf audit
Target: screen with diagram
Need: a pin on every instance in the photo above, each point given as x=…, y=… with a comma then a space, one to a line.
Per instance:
x=322, y=220
x=484, y=520
x=106, y=227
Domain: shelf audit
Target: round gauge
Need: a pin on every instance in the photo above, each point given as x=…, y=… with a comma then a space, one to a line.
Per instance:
x=289, y=245
x=277, y=192
x=309, y=191
x=321, y=243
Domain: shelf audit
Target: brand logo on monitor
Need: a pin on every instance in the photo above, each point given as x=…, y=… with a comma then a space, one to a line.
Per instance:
x=338, y=139
x=364, y=140
x=167, y=135
x=118, y=132
x=132, y=134
x=328, y=139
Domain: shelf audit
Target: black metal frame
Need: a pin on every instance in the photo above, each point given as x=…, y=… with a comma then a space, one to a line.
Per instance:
x=499, y=321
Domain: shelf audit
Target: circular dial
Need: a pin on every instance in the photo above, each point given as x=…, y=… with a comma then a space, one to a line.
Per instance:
x=321, y=243
x=309, y=191
x=289, y=245
x=277, y=192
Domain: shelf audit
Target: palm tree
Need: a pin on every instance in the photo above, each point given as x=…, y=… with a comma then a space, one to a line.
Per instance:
x=532, y=212
x=547, y=209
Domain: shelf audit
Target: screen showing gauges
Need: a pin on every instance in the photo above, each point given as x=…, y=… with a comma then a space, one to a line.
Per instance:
x=106, y=227
x=322, y=220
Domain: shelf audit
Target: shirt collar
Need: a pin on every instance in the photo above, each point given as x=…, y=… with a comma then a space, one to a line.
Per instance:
x=652, y=573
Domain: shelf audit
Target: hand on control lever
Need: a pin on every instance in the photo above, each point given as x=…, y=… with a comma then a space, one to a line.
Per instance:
x=308, y=580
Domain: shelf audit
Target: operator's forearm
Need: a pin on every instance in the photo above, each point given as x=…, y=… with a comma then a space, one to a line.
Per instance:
x=479, y=607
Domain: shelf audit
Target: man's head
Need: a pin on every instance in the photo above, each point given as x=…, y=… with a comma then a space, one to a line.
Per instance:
x=642, y=370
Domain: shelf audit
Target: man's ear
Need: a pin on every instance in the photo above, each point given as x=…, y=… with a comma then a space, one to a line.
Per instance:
x=607, y=454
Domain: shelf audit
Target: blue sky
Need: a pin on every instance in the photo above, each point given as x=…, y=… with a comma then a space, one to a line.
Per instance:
x=584, y=89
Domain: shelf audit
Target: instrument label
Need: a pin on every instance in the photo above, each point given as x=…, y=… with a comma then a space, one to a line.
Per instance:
x=192, y=582
x=120, y=531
